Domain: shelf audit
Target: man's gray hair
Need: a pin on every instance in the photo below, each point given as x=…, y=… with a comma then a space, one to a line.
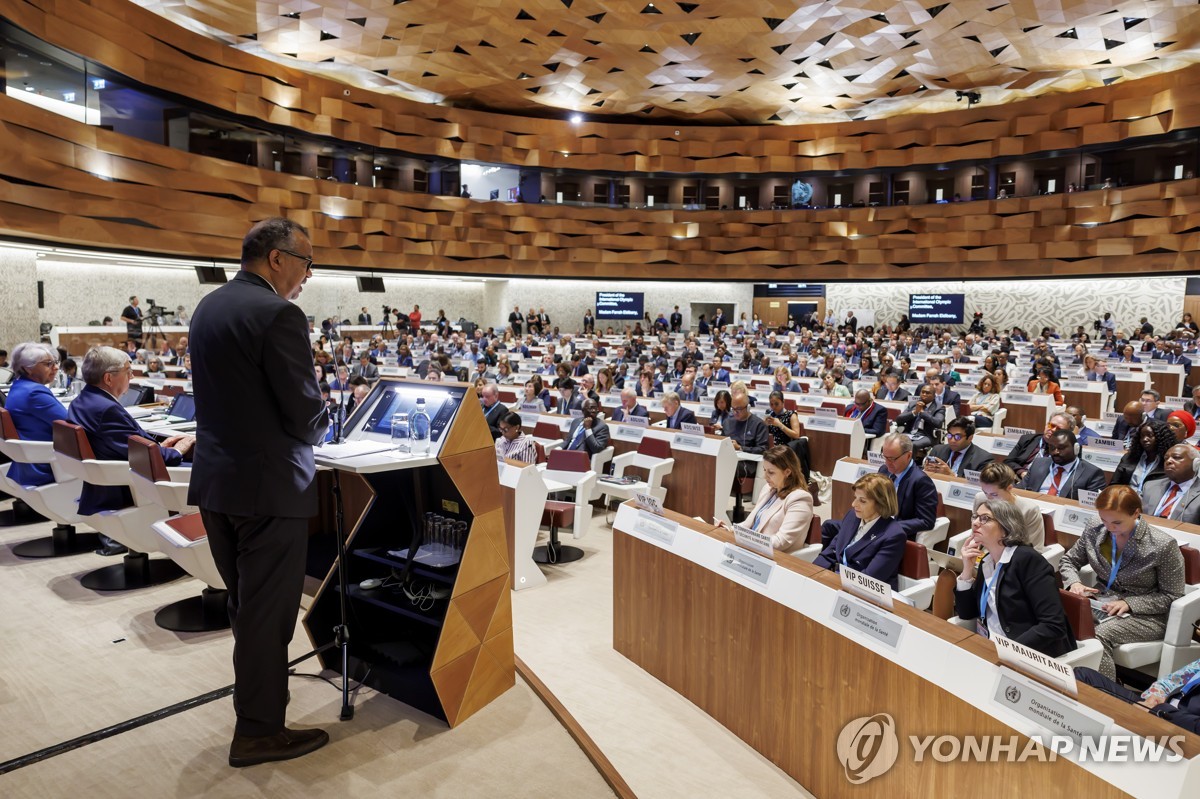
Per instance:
x=275, y=233
x=100, y=361
x=29, y=354
x=1066, y=417
x=671, y=397
x=901, y=440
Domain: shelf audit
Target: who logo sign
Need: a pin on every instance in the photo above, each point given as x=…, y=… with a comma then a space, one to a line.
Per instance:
x=868, y=747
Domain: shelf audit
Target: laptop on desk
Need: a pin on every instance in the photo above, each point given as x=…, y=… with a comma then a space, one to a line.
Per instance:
x=180, y=418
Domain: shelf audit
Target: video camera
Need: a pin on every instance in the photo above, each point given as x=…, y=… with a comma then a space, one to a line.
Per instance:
x=156, y=312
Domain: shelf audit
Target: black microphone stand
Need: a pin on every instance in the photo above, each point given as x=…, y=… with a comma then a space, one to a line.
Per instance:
x=341, y=633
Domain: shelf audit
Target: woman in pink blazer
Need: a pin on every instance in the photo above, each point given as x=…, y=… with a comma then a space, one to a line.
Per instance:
x=784, y=507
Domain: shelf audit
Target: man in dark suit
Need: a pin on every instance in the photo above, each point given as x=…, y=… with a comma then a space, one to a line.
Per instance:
x=588, y=433
x=676, y=320
x=259, y=412
x=493, y=408
x=1035, y=445
x=719, y=321
x=677, y=415
x=1063, y=473
x=959, y=453
x=1192, y=406
x=944, y=396
x=364, y=317
x=629, y=406
x=891, y=390
x=1177, y=496
x=1131, y=419
x=922, y=419
x=1150, y=410
x=515, y=320
x=98, y=410
x=916, y=495
x=852, y=322
x=873, y=416
x=568, y=398
x=1102, y=375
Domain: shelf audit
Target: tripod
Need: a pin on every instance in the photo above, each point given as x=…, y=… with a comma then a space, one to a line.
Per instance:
x=341, y=633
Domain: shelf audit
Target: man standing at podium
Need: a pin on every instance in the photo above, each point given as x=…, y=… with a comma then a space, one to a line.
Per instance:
x=259, y=412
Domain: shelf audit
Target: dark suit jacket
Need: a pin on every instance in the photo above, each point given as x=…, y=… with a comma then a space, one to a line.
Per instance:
x=1123, y=474
x=638, y=410
x=924, y=423
x=874, y=420
x=493, y=416
x=1109, y=380
x=902, y=394
x=594, y=443
x=109, y=427
x=1187, y=507
x=682, y=416
x=917, y=497
x=575, y=404
x=258, y=408
x=1085, y=476
x=1027, y=602
x=34, y=409
x=878, y=554
x=364, y=319
x=951, y=400
x=975, y=457
x=1024, y=452
x=1122, y=429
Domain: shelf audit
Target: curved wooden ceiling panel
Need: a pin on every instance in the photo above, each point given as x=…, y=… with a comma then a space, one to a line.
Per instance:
x=713, y=61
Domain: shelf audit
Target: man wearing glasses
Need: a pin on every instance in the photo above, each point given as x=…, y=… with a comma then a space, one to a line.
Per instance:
x=259, y=412
x=98, y=410
x=1034, y=445
x=748, y=432
x=958, y=453
x=916, y=494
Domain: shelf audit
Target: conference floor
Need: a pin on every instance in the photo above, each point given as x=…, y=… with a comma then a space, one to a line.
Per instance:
x=77, y=661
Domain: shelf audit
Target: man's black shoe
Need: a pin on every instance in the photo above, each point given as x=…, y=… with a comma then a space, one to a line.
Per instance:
x=249, y=750
x=112, y=549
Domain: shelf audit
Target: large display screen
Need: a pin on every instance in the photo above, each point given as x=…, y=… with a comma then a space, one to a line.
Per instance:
x=936, y=308
x=619, y=304
x=389, y=398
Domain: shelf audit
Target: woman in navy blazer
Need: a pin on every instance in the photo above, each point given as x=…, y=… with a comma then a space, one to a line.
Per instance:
x=33, y=408
x=1007, y=586
x=868, y=539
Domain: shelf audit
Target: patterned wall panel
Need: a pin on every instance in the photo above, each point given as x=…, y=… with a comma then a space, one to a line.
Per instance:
x=18, y=297
x=1031, y=304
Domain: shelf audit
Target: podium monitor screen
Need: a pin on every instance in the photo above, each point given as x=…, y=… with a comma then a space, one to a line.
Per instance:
x=373, y=421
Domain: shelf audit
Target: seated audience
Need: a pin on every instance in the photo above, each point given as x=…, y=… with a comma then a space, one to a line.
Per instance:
x=783, y=424
x=874, y=417
x=959, y=453
x=784, y=507
x=1176, y=494
x=1062, y=473
x=922, y=419
x=996, y=482
x=916, y=495
x=985, y=402
x=589, y=432
x=677, y=415
x=1144, y=460
x=1035, y=445
x=868, y=539
x=722, y=409
x=33, y=407
x=1182, y=424
x=1007, y=587
x=1044, y=384
x=513, y=444
x=629, y=406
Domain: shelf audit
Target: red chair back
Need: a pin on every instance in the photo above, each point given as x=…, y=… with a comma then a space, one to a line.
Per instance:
x=789, y=404
x=1191, y=564
x=8, y=428
x=654, y=447
x=146, y=460
x=915, y=564
x=541, y=452
x=1079, y=614
x=941, y=508
x=837, y=406
x=964, y=408
x=71, y=440
x=814, y=531
x=508, y=397
x=568, y=460
x=1051, y=530
x=893, y=413
x=547, y=430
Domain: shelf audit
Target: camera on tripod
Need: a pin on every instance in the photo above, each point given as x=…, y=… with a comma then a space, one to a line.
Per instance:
x=156, y=312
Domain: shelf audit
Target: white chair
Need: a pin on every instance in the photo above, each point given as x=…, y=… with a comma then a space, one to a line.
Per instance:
x=130, y=526
x=812, y=543
x=55, y=501
x=1088, y=649
x=653, y=455
x=599, y=461
x=998, y=421
x=916, y=585
x=570, y=467
x=936, y=534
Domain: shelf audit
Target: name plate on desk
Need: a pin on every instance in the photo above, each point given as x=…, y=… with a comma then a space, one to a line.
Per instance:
x=864, y=470
x=1047, y=708
x=875, y=458
x=1075, y=385
x=1109, y=416
x=821, y=422
x=1073, y=519
x=866, y=586
x=530, y=419
x=1086, y=499
x=576, y=414
x=648, y=502
x=1160, y=366
x=1017, y=432
x=655, y=528
x=746, y=564
x=828, y=413
x=1034, y=663
x=961, y=495
x=753, y=540
x=1105, y=459
x=629, y=432
x=1017, y=399
x=690, y=427
x=1005, y=444
x=1107, y=443
x=865, y=619
x=971, y=476
x=688, y=442
x=533, y=407
x=636, y=421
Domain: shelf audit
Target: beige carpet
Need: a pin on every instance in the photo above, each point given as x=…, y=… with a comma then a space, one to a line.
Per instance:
x=662, y=744
x=75, y=661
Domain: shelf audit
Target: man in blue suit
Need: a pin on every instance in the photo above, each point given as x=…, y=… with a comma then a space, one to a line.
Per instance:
x=874, y=417
x=677, y=416
x=916, y=494
x=97, y=409
x=629, y=406
x=32, y=406
x=1102, y=375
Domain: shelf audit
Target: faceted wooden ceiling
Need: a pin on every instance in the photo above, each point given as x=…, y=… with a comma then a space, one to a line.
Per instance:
x=710, y=61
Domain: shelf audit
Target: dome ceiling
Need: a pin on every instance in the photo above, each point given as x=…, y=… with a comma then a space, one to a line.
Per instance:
x=709, y=61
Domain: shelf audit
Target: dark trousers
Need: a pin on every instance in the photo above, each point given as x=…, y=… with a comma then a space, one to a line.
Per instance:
x=261, y=560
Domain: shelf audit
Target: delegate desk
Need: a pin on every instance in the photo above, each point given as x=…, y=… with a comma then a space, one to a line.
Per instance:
x=702, y=477
x=1027, y=410
x=786, y=675
x=1103, y=458
x=1130, y=385
x=1090, y=396
x=78, y=340
x=524, y=495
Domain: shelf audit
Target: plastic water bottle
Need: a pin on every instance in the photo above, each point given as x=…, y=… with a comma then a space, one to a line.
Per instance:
x=419, y=427
x=400, y=434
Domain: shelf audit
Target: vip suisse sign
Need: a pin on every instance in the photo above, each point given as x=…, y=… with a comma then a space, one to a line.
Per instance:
x=866, y=586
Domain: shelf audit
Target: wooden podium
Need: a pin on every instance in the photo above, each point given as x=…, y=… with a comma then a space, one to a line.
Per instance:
x=449, y=657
